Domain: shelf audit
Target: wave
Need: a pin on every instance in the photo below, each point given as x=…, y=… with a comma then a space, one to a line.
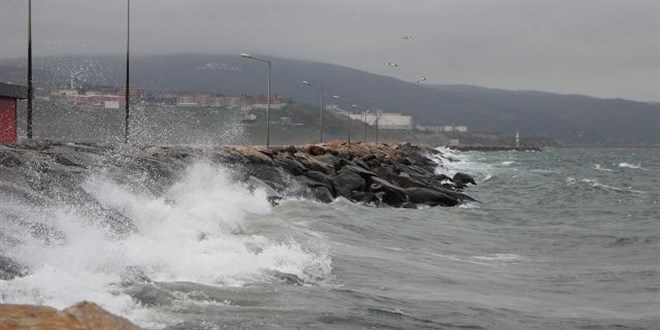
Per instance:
x=633, y=166
x=198, y=231
x=598, y=167
x=593, y=183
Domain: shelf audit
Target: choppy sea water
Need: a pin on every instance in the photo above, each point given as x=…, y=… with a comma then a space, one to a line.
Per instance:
x=562, y=239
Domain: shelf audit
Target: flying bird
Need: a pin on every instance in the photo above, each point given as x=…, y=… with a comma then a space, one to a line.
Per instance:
x=406, y=37
x=392, y=64
x=421, y=80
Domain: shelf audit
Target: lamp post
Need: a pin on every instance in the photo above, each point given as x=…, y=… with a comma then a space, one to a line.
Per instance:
x=366, y=124
x=350, y=120
x=348, y=114
x=320, y=88
x=30, y=88
x=128, y=71
x=248, y=56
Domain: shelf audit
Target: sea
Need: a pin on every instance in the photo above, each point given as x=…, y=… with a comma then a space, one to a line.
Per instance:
x=559, y=239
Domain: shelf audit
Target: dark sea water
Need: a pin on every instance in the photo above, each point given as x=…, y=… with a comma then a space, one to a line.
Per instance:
x=562, y=239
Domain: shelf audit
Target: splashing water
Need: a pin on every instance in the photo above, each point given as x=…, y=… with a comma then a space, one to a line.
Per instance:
x=198, y=231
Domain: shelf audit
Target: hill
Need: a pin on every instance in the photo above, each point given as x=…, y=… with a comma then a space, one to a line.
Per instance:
x=570, y=118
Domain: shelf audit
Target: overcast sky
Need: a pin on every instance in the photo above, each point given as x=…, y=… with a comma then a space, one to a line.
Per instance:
x=599, y=48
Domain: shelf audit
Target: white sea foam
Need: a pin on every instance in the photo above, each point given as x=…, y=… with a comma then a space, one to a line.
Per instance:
x=500, y=257
x=629, y=165
x=194, y=233
x=598, y=167
x=593, y=183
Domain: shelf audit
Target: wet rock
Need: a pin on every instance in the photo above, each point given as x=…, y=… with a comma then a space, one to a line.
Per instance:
x=364, y=197
x=347, y=181
x=10, y=269
x=430, y=196
x=389, y=193
x=321, y=178
x=322, y=194
x=289, y=163
x=463, y=179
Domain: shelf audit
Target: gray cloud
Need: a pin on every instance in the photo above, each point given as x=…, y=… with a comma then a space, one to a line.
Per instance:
x=605, y=49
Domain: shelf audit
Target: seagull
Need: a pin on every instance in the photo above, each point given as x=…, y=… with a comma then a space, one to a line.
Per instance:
x=392, y=64
x=421, y=80
x=406, y=37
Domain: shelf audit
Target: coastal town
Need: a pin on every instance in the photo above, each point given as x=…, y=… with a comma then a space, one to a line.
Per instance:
x=114, y=99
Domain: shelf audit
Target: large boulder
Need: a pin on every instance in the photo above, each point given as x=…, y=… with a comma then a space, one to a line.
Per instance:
x=347, y=181
x=462, y=179
x=92, y=316
x=387, y=192
x=289, y=163
x=420, y=195
x=81, y=316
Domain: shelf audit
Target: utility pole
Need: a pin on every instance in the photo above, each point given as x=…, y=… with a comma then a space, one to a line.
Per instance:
x=30, y=88
x=128, y=71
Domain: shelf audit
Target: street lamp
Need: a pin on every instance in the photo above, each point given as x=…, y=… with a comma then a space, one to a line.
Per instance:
x=127, y=107
x=30, y=88
x=305, y=82
x=248, y=56
x=348, y=114
x=366, y=124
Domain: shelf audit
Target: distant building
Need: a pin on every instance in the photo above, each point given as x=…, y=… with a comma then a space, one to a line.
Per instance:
x=395, y=121
x=111, y=105
x=461, y=129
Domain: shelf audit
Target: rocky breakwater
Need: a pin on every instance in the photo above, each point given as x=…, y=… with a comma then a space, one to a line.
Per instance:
x=376, y=174
x=81, y=316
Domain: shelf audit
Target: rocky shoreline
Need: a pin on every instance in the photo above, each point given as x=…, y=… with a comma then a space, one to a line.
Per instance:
x=375, y=174
x=44, y=172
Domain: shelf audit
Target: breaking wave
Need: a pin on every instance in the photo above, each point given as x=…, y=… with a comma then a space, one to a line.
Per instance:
x=199, y=230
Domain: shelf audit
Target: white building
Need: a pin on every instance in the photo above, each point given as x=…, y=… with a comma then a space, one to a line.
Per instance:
x=112, y=105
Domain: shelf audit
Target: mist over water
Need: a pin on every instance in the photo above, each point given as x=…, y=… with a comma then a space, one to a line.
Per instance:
x=560, y=239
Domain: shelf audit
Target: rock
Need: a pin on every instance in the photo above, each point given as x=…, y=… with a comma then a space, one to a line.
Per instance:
x=253, y=155
x=322, y=194
x=390, y=194
x=81, y=316
x=364, y=197
x=347, y=181
x=313, y=164
x=359, y=170
x=291, y=149
x=462, y=179
x=315, y=150
x=10, y=269
x=92, y=316
x=430, y=196
x=321, y=178
x=442, y=177
x=36, y=317
x=289, y=164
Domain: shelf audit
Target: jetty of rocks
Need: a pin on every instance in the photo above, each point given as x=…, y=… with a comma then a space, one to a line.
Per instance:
x=401, y=175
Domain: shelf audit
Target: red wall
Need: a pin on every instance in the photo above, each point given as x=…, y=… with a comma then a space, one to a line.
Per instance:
x=7, y=120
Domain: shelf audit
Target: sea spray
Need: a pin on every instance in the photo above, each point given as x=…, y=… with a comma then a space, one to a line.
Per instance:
x=195, y=232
